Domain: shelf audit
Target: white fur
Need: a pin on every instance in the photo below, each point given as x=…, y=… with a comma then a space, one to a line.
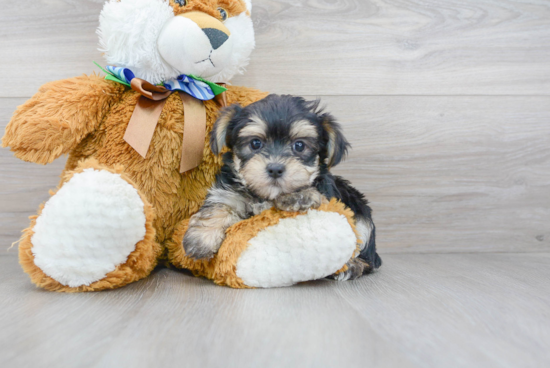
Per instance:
x=248, y=5
x=88, y=228
x=184, y=45
x=308, y=247
x=242, y=32
x=129, y=32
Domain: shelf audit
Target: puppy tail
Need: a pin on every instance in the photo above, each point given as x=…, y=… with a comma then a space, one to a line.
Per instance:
x=369, y=253
x=377, y=261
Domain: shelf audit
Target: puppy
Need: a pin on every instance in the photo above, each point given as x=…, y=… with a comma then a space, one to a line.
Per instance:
x=281, y=150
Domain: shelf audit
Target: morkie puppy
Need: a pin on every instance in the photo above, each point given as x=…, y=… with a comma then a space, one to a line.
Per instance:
x=281, y=150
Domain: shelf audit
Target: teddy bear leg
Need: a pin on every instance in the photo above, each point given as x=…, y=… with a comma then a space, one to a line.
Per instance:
x=276, y=248
x=95, y=233
x=280, y=248
x=307, y=247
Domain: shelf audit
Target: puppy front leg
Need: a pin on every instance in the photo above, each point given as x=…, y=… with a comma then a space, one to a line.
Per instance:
x=206, y=230
x=300, y=201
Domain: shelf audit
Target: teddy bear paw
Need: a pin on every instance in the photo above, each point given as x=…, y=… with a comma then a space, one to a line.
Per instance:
x=88, y=228
x=310, y=246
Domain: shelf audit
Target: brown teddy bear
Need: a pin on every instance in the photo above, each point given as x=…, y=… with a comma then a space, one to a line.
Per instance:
x=140, y=162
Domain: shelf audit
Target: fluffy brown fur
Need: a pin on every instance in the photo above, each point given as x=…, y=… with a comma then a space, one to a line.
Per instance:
x=222, y=268
x=140, y=262
x=56, y=119
x=86, y=117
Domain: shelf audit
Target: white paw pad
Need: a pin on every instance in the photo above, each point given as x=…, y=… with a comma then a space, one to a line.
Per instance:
x=307, y=247
x=88, y=228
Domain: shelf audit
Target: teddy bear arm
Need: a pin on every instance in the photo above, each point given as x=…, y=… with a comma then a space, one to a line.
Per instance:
x=244, y=95
x=59, y=116
x=277, y=248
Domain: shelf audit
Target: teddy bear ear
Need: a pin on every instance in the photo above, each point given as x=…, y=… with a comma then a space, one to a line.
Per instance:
x=336, y=143
x=218, y=137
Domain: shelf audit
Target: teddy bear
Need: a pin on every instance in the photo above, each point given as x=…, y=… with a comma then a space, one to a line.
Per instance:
x=140, y=164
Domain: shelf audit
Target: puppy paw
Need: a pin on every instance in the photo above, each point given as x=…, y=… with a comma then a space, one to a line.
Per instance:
x=202, y=242
x=300, y=201
x=357, y=267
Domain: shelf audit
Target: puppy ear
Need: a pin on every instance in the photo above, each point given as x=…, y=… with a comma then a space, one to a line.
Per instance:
x=336, y=144
x=218, y=136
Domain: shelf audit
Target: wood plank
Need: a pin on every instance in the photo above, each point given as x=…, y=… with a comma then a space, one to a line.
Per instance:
x=444, y=174
x=376, y=47
x=42, y=41
x=451, y=174
x=483, y=310
x=474, y=310
x=343, y=47
x=172, y=317
x=23, y=186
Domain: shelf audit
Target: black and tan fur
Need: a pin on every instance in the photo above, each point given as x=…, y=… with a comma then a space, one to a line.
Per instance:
x=281, y=151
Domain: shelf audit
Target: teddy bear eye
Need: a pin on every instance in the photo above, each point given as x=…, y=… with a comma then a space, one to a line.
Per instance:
x=181, y=2
x=223, y=13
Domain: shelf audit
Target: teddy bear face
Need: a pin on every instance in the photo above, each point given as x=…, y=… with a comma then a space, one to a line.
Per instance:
x=160, y=40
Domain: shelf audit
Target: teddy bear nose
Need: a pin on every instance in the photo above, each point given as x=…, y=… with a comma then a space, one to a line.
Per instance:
x=216, y=37
x=275, y=170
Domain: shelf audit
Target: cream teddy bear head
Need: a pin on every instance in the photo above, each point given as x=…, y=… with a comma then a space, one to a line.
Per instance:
x=161, y=39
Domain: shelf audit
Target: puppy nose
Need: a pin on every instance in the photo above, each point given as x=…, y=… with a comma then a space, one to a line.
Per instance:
x=275, y=170
x=216, y=37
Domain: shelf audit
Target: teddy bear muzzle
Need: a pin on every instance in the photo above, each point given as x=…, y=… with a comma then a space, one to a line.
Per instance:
x=195, y=43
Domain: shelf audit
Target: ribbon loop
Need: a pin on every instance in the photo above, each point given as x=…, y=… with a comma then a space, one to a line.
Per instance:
x=194, y=132
x=124, y=74
x=143, y=122
x=192, y=90
x=152, y=92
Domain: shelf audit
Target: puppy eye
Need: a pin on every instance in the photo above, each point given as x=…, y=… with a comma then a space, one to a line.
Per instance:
x=256, y=144
x=223, y=13
x=181, y=2
x=299, y=146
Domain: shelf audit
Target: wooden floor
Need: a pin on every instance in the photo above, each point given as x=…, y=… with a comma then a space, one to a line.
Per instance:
x=447, y=105
x=420, y=310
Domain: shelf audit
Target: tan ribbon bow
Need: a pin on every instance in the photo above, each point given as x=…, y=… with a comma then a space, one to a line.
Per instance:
x=145, y=117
